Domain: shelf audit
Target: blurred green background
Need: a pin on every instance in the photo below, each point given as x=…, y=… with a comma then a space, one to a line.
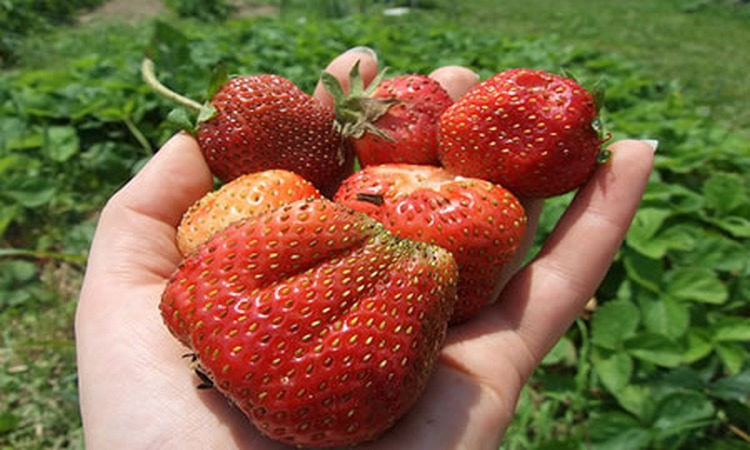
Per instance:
x=661, y=359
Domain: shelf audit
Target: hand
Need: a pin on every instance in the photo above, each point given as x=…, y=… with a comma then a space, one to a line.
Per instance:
x=137, y=392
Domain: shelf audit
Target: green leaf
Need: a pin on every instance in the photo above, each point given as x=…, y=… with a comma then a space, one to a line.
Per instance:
x=614, y=370
x=732, y=355
x=682, y=411
x=715, y=251
x=655, y=348
x=32, y=192
x=169, y=46
x=679, y=237
x=636, y=399
x=219, y=77
x=646, y=272
x=666, y=316
x=8, y=422
x=738, y=227
x=613, y=322
x=564, y=352
x=8, y=213
x=642, y=233
x=724, y=192
x=736, y=388
x=617, y=431
x=698, y=345
x=181, y=118
x=62, y=143
x=731, y=328
x=696, y=284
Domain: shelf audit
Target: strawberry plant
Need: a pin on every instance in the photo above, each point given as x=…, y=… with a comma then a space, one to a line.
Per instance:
x=659, y=360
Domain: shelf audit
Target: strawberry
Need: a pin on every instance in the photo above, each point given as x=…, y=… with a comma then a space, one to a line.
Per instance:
x=482, y=224
x=258, y=122
x=322, y=327
x=246, y=196
x=392, y=121
x=528, y=130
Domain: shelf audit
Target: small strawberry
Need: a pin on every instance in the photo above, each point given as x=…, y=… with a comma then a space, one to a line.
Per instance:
x=246, y=196
x=392, y=121
x=530, y=131
x=322, y=327
x=258, y=122
x=482, y=224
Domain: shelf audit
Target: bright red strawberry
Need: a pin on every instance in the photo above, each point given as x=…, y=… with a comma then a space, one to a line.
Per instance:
x=392, y=121
x=265, y=122
x=246, y=196
x=321, y=326
x=530, y=131
x=482, y=224
x=259, y=122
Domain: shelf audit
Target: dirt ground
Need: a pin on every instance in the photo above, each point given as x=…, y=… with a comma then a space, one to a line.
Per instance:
x=137, y=10
x=126, y=10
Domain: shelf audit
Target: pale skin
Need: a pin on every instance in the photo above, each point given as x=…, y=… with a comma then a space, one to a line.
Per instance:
x=137, y=391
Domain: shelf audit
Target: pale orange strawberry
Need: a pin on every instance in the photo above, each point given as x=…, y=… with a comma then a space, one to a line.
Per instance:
x=246, y=196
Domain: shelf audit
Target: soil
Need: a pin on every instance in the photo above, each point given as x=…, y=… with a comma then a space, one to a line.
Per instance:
x=133, y=11
x=126, y=10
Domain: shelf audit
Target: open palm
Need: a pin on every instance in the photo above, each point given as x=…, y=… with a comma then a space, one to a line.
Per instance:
x=137, y=390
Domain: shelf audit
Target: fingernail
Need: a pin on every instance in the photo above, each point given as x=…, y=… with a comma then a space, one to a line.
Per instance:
x=653, y=143
x=364, y=50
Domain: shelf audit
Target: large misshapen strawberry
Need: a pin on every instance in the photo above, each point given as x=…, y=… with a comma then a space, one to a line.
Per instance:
x=322, y=327
x=246, y=196
x=531, y=131
x=264, y=121
x=393, y=120
x=481, y=223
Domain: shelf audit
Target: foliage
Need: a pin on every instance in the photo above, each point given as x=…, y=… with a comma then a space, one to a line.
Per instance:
x=18, y=18
x=212, y=11
x=661, y=363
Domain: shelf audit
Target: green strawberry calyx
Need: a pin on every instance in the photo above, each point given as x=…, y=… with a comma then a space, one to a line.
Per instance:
x=598, y=92
x=357, y=111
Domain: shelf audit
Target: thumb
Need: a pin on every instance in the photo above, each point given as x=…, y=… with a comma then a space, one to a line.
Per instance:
x=342, y=64
x=136, y=229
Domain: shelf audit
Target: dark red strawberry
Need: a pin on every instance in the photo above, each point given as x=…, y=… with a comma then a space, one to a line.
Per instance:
x=391, y=121
x=260, y=122
x=246, y=196
x=530, y=131
x=482, y=224
x=321, y=326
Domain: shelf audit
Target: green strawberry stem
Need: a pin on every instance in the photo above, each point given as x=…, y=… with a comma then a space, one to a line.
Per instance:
x=149, y=76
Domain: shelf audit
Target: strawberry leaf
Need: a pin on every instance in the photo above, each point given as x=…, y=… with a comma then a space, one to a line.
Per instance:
x=219, y=77
x=206, y=113
x=182, y=119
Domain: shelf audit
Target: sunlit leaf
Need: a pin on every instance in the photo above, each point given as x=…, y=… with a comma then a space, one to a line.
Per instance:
x=682, y=411
x=61, y=143
x=725, y=192
x=655, y=348
x=613, y=322
x=614, y=369
x=617, y=431
x=665, y=315
x=696, y=284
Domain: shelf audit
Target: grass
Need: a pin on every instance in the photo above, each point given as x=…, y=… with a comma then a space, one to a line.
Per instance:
x=695, y=43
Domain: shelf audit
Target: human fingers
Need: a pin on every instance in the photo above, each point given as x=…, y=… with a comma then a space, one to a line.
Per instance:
x=456, y=80
x=136, y=228
x=542, y=300
x=341, y=66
